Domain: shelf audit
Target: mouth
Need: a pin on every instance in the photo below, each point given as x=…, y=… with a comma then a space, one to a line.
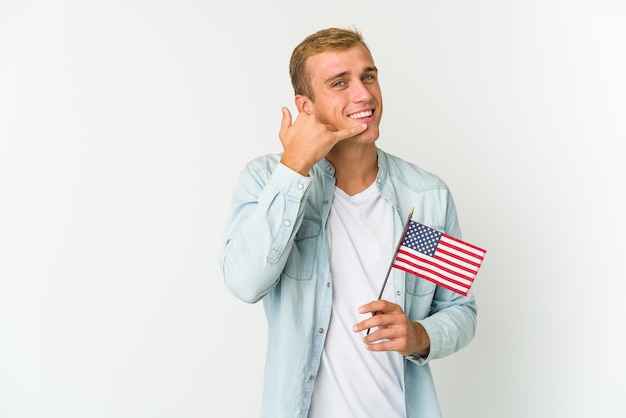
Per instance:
x=361, y=115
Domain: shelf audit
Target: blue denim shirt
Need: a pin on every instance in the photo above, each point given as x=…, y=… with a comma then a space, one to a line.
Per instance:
x=276, y=250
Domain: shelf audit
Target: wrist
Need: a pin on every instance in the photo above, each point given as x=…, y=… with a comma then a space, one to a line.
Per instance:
x=422, y=346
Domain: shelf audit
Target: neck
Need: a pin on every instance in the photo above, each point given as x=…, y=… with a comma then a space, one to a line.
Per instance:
x=355, y=167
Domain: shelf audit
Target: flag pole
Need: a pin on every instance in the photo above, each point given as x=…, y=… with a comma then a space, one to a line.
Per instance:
x=406, y=227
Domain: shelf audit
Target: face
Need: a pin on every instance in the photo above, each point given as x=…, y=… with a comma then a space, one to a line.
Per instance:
x=346, y=89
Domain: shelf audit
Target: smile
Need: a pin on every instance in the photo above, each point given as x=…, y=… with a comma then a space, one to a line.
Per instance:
x=360, y=115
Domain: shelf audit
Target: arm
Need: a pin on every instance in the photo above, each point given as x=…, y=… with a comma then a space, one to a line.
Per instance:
x=266, y=214
x=452, y=323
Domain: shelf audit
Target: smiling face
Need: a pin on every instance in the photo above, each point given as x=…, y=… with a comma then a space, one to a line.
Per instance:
x=346, y=91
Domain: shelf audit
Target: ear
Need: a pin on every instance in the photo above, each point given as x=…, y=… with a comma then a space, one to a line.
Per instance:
x=303, y=104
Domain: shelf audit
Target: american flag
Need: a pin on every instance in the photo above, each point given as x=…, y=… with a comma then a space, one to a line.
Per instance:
x=440, y=258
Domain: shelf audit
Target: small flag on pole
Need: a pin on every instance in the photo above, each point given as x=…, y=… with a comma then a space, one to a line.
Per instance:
x=440, y=258
x=435, y=256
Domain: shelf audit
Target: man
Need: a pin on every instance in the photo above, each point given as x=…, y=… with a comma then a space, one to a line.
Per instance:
x=312, y=233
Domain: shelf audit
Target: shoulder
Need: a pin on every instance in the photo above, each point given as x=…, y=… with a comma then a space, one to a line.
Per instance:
x=405, y=172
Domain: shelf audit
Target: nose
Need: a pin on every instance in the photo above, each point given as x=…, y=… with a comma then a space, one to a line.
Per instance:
x=361, y=92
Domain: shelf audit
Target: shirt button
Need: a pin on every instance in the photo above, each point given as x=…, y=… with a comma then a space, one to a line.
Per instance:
x=287, y=223
x=321, y=330
x=311, y=377
x=300, y=186
x=325, y=201
x=378, y=180
x=398, y=293
x=328, y=284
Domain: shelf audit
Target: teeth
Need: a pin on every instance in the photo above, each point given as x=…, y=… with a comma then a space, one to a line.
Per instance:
x=361, y=115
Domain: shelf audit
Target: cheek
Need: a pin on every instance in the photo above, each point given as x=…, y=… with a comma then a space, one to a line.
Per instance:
x=333, y=119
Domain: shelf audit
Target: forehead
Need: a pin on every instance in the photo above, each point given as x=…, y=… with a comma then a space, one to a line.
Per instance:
x=354, y=60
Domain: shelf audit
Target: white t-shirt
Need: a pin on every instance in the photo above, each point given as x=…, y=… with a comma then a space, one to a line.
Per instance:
x=352, y=381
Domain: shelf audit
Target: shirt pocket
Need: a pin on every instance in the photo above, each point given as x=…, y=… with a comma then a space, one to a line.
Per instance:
x=419, y=287
x=419, y=296
x=302, y=259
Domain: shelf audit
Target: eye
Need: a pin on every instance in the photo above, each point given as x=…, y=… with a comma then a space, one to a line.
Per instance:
x=339, y=83
x=368, y=77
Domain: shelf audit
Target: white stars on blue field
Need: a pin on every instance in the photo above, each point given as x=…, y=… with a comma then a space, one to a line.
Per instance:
x=422, y=238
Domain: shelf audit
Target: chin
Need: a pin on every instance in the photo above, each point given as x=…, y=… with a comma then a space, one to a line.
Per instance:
x=370, y=135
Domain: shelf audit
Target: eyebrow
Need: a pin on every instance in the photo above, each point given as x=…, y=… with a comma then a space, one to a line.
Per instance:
x=344, y=73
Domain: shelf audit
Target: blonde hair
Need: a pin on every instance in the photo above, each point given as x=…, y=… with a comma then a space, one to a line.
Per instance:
x=331, y=39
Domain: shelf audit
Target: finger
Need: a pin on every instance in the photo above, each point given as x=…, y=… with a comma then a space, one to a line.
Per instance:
x=349, y=132
x=379, y=335
x=375, y=321
x=286, y=121
x=369, y=307
x=378, y=306
x=381, y=346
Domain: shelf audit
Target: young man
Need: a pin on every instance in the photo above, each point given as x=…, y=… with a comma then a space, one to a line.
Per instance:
x=312, y=234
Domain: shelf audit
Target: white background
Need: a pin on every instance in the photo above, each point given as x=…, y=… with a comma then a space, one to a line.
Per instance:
x=123, y=127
